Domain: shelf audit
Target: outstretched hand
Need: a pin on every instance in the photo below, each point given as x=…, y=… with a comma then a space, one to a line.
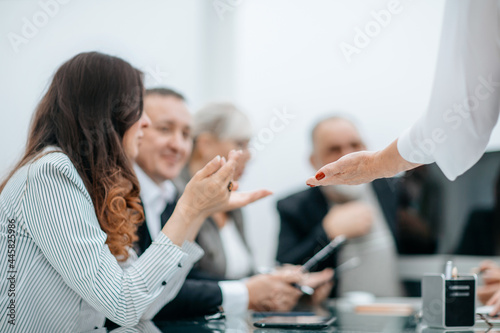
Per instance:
x=362, y=167
x=351, y=169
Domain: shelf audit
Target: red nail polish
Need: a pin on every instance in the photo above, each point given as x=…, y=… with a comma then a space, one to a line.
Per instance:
x=311, y=185
x=320, y=176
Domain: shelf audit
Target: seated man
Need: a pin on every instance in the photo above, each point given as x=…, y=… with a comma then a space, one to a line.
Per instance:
x=164, y=151
x=365, y=214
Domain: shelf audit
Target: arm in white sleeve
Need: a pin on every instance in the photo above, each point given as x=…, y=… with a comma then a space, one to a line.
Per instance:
x=234, y=297
x=464, y=104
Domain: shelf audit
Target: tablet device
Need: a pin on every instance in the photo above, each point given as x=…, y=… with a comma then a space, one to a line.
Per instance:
x=306, y=322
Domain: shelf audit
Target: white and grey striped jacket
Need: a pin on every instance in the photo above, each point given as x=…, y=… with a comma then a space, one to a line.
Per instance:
x=56, y=272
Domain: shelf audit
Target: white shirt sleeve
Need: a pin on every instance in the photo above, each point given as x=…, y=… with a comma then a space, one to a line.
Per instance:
x=234, y=297
x=464, y=104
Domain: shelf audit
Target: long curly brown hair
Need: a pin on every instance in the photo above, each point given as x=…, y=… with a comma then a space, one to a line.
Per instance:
x=92, y=100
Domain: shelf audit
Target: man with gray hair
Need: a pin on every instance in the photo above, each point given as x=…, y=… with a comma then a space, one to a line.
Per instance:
x=365, y=214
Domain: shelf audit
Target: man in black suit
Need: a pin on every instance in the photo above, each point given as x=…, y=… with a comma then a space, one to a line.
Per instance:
x=365, y=214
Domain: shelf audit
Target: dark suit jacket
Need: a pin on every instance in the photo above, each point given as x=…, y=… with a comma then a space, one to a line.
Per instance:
x=301, y=215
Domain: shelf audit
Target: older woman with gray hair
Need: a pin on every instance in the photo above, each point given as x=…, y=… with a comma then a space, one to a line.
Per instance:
x=219, y=128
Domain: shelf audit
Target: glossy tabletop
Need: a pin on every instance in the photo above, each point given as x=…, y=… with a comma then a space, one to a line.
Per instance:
x=348, y=320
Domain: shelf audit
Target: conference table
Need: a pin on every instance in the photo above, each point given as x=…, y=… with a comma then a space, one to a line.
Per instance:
x=349, y=319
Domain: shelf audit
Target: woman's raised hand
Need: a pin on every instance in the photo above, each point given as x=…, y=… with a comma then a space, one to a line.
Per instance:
x=214, y=195
x=207, y=192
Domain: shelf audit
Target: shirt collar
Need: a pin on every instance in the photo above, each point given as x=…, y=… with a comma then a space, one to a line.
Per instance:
x=150, y=191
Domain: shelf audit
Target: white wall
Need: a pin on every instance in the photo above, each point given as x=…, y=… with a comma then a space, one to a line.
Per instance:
x=266, y=55
x=289, y=57
x=163, y=38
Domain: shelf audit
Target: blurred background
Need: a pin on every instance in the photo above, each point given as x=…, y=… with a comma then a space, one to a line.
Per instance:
x=297, y=61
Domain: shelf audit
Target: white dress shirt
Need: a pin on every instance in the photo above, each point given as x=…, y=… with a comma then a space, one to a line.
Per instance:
x=238, y=260
x=65, y=277
x=155, y=198
x=464, y=104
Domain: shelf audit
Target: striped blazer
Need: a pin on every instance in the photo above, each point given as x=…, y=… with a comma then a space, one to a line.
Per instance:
x=56, y=272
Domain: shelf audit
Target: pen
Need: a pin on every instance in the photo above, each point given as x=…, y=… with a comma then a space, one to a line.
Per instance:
x=306, y=290
x=323, y=253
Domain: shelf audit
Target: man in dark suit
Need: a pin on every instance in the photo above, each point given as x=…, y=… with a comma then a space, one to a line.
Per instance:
x=365, y=214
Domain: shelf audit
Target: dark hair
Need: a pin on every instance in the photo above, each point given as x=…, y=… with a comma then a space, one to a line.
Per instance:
x=92, y=100
x=165, y=92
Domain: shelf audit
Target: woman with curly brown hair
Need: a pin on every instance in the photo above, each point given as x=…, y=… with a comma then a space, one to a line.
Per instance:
x=70, y=208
